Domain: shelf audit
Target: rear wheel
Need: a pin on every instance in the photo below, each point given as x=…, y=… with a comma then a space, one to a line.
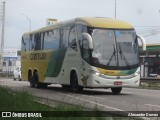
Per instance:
x=30, y=77
x=36, y=80
x=116, y=90
x=19, y=78
x=43, y=85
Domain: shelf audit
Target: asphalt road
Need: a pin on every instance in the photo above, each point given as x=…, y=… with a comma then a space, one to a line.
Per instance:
x=130, y=99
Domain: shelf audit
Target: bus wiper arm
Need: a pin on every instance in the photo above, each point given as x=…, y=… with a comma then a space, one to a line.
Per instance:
x=113, y=55
x=122, y=55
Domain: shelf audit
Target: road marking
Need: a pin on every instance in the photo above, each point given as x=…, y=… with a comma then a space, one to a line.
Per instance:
x=152, y=105
x=96, y=97
x=95, y=103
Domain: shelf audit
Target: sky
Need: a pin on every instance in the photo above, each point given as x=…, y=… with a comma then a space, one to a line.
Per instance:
x=144, y=15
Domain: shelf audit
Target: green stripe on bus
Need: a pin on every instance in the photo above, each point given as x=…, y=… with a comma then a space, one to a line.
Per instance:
x=55, y=63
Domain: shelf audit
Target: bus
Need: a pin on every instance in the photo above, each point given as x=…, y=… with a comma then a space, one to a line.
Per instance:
x=85, y=52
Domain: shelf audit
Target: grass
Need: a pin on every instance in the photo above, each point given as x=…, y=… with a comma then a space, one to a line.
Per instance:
x=22, y=101
x=150, y=85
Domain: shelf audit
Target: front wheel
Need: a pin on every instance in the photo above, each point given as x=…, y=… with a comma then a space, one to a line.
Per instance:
x=74, y=83
x=116, y=90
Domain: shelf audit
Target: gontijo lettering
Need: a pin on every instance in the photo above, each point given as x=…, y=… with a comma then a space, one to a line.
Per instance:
x=38, y=56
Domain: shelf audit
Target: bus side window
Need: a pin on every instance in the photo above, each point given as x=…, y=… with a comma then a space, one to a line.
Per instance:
x=23, y=46
x=25, y=43
x=51, y=39
x=64, y=37
x=31, y=42
x=85, y=50
x=72, y=38
x=37, y=41
x=42, y=40
x=80, y=29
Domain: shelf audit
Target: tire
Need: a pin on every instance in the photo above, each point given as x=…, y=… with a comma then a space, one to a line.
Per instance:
x=14, y=79
x=74, y=83
x=116, y=90
x=36, y=80
x=30, y=77
x=66, y=87
x=43, y=85
x=19, y=78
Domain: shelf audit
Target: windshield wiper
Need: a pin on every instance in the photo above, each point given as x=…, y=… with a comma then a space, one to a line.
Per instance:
x=113, y=55
x=122, y=55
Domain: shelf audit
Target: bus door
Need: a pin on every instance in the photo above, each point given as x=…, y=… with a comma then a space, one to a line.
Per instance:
x=86, y=59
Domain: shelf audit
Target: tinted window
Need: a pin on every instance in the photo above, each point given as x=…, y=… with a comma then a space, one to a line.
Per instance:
x=65, y=37
x=85, y=50
x=31, y=42
x=72, y=38
x=37, y=41
x=25, y=43
x=51, y=39
x=81, y=29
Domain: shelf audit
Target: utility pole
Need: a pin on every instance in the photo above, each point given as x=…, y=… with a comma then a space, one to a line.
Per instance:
x=115, y=9
x=2, y=19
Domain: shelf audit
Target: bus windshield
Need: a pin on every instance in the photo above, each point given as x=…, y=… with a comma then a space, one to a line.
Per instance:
x=115, y=49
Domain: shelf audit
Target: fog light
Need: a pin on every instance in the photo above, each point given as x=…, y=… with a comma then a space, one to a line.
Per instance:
x=137, y=73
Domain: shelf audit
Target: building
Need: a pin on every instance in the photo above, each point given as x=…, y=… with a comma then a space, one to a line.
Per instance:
x=11, y=59
x=150, y=61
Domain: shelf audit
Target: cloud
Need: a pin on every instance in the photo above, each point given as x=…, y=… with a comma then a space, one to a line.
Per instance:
x=137, y=12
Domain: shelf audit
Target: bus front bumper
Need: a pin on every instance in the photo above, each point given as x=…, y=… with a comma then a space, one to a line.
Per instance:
x=96, y=81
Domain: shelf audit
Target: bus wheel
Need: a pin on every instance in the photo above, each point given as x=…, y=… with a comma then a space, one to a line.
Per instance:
x=74, y=83
x=19, y=78
x=31, y=80
x=116, y=90
x=43, y=85
x=36, y=80
x=66, y=87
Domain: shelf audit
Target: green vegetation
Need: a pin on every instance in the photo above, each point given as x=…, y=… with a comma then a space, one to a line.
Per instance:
x=6, y=75
x=12, y=101
x=150, y=85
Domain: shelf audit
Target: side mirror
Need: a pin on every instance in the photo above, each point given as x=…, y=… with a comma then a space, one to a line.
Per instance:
x=143, y=41
x=89, y=38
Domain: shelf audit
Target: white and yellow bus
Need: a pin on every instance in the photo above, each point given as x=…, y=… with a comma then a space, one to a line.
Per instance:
x=82, y=53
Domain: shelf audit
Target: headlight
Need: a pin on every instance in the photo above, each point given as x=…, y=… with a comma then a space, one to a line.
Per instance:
x=137, y=73
x=98, y=74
